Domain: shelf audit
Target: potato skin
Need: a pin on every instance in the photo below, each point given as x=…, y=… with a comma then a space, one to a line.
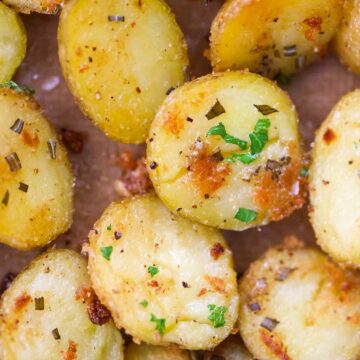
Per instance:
x=12, y=42
x=256, y=34
x=316, y=305
x=347, y=38
x=120, y=71
x=334, y=182
x=194, y=270
x=40, y=6
x=231, y=349
x=182, y=159
x=58, y=276
x=35, y=217
x=150, y=352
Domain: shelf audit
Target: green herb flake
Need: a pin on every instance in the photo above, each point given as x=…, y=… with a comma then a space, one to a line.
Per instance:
x=259, y=137
x=159, y=324
x=106, y=252
x=215, y=111
x=304, y=172
x=220, y=130
x=246, y=215
x=266, y=109
x=144, y=303
x=18, y=88
x=244, y=158
x=153, y=270
x=109, y=227
x=217, y=315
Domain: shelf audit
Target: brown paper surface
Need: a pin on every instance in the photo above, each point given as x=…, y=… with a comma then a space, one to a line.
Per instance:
x=314, y=93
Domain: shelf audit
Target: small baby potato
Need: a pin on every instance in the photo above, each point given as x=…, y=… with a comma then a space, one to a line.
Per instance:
x=272, y=37
x=334, y=181
x=45, y=314
x=224, y=150
x=40, y=6
x=150, y=352
x=12, y=42
x=120, y=59
x=165, y=280
x=296, y=304
x=347, y=38
x=231, y=349
x=36, y=182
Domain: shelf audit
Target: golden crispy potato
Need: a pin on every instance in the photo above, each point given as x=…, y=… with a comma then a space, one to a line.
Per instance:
x=164, y=279
x=12, y=42
x=229, y=145
x=296, y=304
x=231, y=349
x=120, y=59
x=272, y=37
x=40, y=6
x=347, y=38
x=45, y=314
x=334, y=181
x=150, y=352
x=36, y=182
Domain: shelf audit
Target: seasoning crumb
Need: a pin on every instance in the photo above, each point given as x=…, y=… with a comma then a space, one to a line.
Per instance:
x=216, y=251
x=116, y=18
x=153, y=165
x=39, y=303
x=56, y=334
x=254, y=307
x=269, y=324
x=23, y=187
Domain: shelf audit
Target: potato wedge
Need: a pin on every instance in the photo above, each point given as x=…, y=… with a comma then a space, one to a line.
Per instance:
x=231, y=349
x=272, y=37
x=334, y=181
x=40, y=6
x=164, y=279
x=296, y=304
x=12, y=42
x=45, y=314
x=151, y=352
x=36, y=181
x=347, y=38
x=229, y=144
x=120, y=59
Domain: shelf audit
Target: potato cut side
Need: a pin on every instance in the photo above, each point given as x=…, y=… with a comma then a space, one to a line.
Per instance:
x=347, y=38
x=224, y=150
x=335, y=181
x=36, y=182
x=40, y=6
x=45, y=314
x=12, y=42
x=274, y=38
x=166, y=281
x=231, y=349
x=298, y=305
x=120, y=60
x=151, y=352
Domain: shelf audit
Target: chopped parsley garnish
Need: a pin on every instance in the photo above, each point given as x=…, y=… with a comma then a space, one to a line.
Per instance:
x=217, y=315
x=220, y=130
x=144, y=303
x=266, y=109
x=109, y=227
x=14, y=86
x=215, y=111
x=244, y=158
x=160, y=324
x=246, y=215
x=259, y=137
x=304, y=172
x=106, y=252
x=153, y=270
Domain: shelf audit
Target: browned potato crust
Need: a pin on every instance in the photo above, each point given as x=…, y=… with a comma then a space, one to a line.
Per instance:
x=40, y=6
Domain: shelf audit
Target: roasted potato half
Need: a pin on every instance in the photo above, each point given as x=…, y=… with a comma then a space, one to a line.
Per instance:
x=231, y=349
x=229, y=144
x=120, y=59
x=151, y=352
x=272, y=37
x=40, y=6
x=297, y=304
x=334, y=181
x=165, y=280
x=36, y=182
x=347, y=38
x=12, y=42
x=46, y=312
